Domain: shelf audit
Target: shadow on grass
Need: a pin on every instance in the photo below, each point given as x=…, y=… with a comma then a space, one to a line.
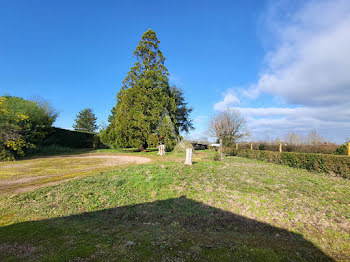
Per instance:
x=177, y=229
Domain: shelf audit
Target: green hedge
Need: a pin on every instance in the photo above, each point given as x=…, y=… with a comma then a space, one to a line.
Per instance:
x=334, y=164
x=58, y=140
x=317, y=149
x=71, y=139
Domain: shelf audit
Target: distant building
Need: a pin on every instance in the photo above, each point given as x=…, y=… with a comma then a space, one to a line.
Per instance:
x=199, y=146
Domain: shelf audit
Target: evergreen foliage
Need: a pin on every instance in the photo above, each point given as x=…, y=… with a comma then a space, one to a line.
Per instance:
x=182, y=113
x=142, y=99
x=153, y=140
x=85, y=121
x=167, y=133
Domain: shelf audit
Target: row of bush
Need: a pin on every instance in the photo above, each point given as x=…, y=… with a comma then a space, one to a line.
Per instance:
x=333, y=164
x=317, y=149
x=71, y=139
x=58, y=141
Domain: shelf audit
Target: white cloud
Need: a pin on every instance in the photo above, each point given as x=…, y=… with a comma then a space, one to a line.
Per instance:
x=310, y=64
x=317, y=113
x=307, y=66
x=229, y=100
x=301, y=119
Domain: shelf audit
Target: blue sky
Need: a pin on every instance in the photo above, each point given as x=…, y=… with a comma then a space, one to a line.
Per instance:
x=251, y=55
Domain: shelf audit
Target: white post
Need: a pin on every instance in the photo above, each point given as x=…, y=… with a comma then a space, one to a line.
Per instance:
x=188, y=157
x=161, y=150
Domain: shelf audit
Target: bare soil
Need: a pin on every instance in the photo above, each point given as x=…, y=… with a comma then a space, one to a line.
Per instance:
x=26, y=180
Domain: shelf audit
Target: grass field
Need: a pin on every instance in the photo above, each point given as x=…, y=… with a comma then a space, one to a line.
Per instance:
x=235, y=210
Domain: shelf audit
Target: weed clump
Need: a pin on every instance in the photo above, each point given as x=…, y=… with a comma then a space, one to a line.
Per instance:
x=182, y=146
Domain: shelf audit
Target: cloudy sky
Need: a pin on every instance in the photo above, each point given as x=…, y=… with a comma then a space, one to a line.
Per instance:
x=284, y=64
x=305, y=73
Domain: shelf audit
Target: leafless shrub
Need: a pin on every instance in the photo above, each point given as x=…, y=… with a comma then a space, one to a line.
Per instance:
x=229, y=125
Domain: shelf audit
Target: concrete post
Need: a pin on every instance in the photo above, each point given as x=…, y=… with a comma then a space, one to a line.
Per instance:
x=251, y=146
x=280, y=148
x=161, y=150
x=188, y=157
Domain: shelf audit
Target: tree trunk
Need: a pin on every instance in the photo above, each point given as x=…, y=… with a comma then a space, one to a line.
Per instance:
x=143, y=147
x=221, y=158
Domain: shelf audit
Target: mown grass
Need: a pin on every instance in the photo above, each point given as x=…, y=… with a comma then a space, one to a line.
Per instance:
x=29, y=174
x=236, y=210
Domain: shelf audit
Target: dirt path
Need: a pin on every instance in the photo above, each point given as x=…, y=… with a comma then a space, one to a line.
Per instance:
x=31, y=174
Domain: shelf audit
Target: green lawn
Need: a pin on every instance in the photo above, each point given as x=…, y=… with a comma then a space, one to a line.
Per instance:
x=235, y=210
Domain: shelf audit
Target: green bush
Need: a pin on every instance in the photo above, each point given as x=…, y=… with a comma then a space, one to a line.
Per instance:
x=23, y=124
x=51, y=149
x=217, y=156
x=182, y=146
x=262, y=147
x=213, y=148
x=342, y=150
x=339, y=165
x=6, y=155
x=229, y=151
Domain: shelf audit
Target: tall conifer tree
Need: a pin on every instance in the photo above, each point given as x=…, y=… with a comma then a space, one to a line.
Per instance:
x=143, y=97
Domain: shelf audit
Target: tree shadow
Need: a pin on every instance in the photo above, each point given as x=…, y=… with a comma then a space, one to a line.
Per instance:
x=178, y=229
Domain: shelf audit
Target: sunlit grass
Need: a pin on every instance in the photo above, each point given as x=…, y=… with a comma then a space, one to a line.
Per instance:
x=316, y=206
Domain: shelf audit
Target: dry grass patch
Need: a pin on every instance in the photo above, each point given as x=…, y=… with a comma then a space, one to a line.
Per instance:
x=30, y=174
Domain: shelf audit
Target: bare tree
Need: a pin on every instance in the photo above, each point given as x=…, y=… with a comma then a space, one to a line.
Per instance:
x=203, y=139
x=229, y=124
x=313, y=138
x=267, y=136
x=292, y=138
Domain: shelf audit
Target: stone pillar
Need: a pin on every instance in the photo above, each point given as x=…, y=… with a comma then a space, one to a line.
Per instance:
x=251, y=146
x=188, y=157
x=236, y=146
x=161, y=150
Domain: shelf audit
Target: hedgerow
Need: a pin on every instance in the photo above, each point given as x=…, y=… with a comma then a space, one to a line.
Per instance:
x=71, y=139
x=328, y=148
x=333, y=164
